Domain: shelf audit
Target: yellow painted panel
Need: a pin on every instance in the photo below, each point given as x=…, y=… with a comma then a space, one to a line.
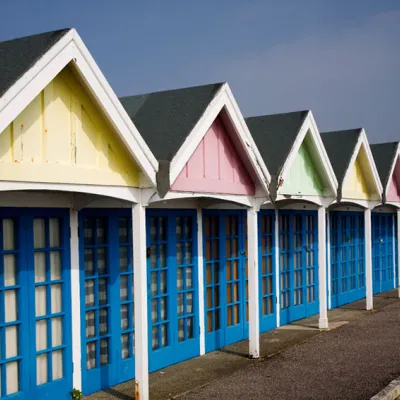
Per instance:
x=355, y=185
x=62, y=137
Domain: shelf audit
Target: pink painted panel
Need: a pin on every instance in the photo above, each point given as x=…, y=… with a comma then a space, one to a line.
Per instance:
x=215, y=166
x=393, y=193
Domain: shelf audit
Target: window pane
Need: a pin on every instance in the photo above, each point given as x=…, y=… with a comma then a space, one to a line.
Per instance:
x=55, y=265
x=89, y=266
x=41, y=369
x=91, y=355
x=10, y=305
x=8, y=234
x=89, y=293
x=11, y=341
x=12, y=373
x=54, y=232
x=103, y=351
x=101, y=262
x=41, y=335
x=10, y=271
x=57, y=364
x=40, y=267
x=39, y=237
x=56, y=331
x=56, y=305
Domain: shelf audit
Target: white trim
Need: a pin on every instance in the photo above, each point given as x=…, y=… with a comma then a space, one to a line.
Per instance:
x=328, y=258
x=253, y=282
x=140, y=305
x=371, y=204
x=75, y=302
x=323, y=310
x=393, y=166
x=71, y=49
x=309, y=125
x=223, y=99
x=363, y=141
x=317, y=200
x=368, y=260
x=200, y=280
x=277, y=271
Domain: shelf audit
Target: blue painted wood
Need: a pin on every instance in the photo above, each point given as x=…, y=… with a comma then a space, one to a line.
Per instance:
x=266, y=255
x=226, y=314
x=298, y=260
x=26, y=323
x=347, y=257
x=106, y=291
x=382, y=252
x=172, y=286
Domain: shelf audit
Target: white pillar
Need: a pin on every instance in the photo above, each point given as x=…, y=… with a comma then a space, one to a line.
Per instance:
x=328, y=259
x=277, y=270
x=200, y=279
x=368, y=259
x=252, y=257
x=140, y=289
x=323, y=310
x=75, y=301
x=398, y=250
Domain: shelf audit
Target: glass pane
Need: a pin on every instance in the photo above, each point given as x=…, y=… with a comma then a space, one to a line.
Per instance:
x=189, y=303
x=103, y=351
x=124, y=316
x=40, y=267
x=101, y=231
x=103, y=298
x=88, y=231
x=10, y=297
x=57, y=364
x=181, y=330
x=12, y=373
x=54, y=224
x=123, y=259
x=41, y=335
x=56, y=331
x=89, y=266
x=55, y=265
x=90, y=324
x=189, y=279
x=41, y=369
x=125, y=346
x=123, y=291
x=10, y=272
x=179, y=278
x=91, y=355
x=163, y=256
x=179, y=253
x=101, y=262
x=123, y=230
x=39, y=235
x=89, y=293
x=11, y=341
x=188, y=253
x=56, y=305
x=8, y=234
x=103, y=321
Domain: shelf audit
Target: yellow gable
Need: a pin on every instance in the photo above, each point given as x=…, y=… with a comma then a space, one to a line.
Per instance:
x=61, y=137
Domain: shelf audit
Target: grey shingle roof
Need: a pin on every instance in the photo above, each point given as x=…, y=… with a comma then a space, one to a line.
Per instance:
x=165, y=119
x=17, y=56
x=384, y=154
x=340, y=146
x=274, y=136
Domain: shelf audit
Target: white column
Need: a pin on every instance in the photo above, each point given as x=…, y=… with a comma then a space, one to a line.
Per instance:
x=323, y=310
x=328, y=259
x=277, y=270
x=398, y=250
x=252, y=257
x=200, y=279
x=140, y=288
x=368, y=259
x=75, y=301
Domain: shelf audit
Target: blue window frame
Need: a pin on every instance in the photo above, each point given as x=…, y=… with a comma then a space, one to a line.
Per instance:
x=173, y=289
x=35, y=304
x=224, y=241
x=107, y=305
x=347, y=257
x=298, y=263
x=382, y=252
x=266, y=253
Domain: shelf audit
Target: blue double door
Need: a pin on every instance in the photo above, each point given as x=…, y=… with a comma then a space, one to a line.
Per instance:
x=107, y=298
x=173, y=307
x=347, y=254
x=383, y=252
x=298, y=265
x=35, y=304
x=225, y=277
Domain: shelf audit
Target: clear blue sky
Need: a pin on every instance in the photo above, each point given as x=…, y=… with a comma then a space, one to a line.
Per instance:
x=340, y=58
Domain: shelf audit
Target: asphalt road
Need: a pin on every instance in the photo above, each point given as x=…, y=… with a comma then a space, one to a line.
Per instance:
x=352, y=362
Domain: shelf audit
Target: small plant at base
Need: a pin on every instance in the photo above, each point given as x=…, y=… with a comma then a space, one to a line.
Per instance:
x=76, y=394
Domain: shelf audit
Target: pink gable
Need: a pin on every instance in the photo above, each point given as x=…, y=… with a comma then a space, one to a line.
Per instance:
x=393, y=192
x=215, y=166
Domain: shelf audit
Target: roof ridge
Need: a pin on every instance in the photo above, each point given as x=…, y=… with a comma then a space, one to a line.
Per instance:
x=278, y=114
x=37, y=34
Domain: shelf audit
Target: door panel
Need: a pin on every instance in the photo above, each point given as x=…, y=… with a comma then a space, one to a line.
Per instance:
x=298, y=258
x=172, y=290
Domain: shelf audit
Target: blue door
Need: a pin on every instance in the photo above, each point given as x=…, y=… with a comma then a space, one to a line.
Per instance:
x=225, y=278
x=107, y=308
x=266, y=253
x=382, y=252
x=35, y=304
x=298, y=264
x=347, y=257
x=172, y=287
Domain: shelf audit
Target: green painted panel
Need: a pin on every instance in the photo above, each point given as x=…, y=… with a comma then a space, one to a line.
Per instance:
x=304, y=177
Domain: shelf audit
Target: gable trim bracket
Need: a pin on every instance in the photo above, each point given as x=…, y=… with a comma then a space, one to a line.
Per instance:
x=222, y=100
x=393, y=166
x=309, y=125
x=362, y=140
x=70, y=48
